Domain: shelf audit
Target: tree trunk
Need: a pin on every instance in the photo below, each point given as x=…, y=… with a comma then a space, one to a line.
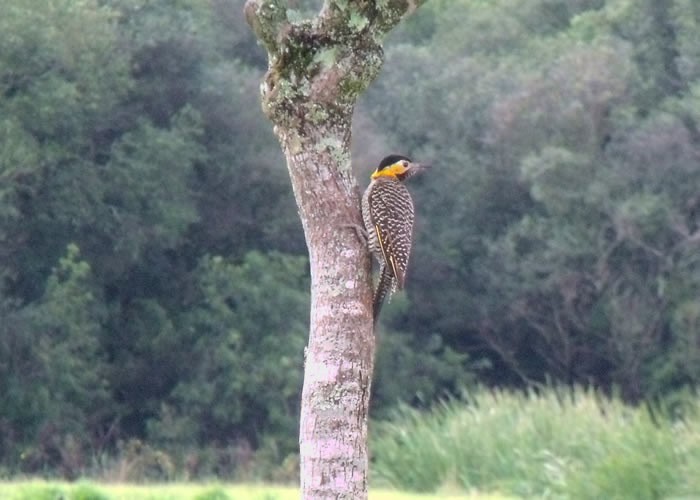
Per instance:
x=317, y=68
x=340, y=353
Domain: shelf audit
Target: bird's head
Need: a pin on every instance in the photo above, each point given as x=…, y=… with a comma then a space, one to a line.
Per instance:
x=397, y=167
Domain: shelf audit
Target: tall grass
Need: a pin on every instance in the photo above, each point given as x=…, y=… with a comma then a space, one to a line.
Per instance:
x=572, y=444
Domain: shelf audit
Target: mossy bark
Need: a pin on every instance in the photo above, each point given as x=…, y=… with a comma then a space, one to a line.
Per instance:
x=317, y=69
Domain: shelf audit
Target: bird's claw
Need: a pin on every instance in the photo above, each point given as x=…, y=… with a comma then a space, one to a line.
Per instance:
x=360, y=231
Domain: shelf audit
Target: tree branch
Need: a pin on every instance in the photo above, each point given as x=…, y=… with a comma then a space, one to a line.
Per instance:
x=268, y=19
x=390, y=12
x=377, y=17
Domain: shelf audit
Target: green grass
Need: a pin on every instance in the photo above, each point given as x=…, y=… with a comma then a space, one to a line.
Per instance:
x=40, y=490
x=568, y=445
x=564, y=445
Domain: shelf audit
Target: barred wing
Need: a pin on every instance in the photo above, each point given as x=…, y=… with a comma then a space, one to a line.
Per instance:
x=391, y=209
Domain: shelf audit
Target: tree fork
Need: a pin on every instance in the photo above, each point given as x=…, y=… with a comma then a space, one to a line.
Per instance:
x=317, y=69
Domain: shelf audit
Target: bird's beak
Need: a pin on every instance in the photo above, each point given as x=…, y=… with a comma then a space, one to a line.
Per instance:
x=414, y=169
x=420, y=166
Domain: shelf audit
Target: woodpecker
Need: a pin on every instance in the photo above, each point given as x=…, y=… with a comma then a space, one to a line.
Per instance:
x=387, y=213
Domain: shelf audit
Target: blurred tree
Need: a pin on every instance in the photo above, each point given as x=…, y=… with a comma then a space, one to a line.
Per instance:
x=55, y=393
x=244, y=181
x=244, y=333
x=61, y=76
x=589, y=282
x=542, y=242
x=685, y=16
x=140, y=210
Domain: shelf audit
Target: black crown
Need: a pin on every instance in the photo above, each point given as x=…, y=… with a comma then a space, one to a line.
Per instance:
x=390, y=160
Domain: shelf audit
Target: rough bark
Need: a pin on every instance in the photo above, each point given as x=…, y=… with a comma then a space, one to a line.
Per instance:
x=317, y=68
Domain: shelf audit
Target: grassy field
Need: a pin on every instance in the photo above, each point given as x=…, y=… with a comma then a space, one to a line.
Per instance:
x=563, y=444
x=40, y=490
x=569, y=444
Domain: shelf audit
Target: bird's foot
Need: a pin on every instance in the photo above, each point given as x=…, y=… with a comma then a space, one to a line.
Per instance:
x=360, y=231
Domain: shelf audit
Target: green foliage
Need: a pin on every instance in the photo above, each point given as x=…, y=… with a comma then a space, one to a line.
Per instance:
x=61, y=76
x=61, y=68
x=568, y=444
x=433, y=368
x=123, y=135
x=239, y=312
x=151, y=284
x=53, y=370
x=66, y=323
x=142, y=208
x=556, y=240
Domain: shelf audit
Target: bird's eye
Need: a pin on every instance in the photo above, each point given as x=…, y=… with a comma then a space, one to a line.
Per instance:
x=404, y=163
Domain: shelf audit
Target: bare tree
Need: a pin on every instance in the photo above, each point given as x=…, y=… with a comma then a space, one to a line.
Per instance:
x=317, y=69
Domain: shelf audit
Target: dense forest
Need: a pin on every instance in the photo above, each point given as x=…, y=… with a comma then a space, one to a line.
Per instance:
x=153, y=278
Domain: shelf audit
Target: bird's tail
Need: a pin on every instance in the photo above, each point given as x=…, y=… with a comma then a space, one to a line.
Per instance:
x=385, y=287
